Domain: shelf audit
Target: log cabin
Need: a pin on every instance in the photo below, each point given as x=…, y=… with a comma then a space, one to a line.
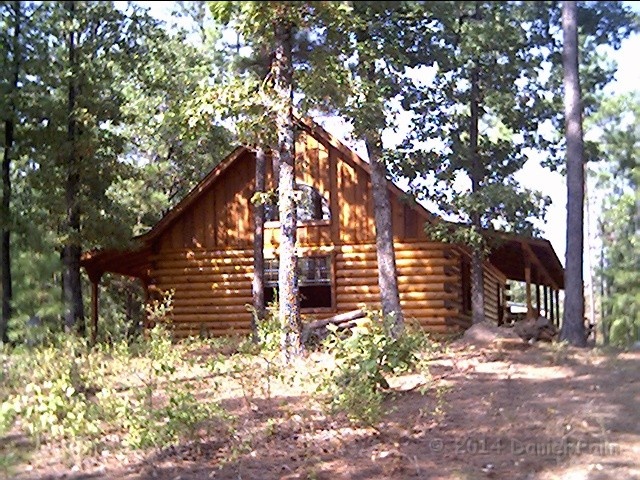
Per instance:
x=202, y=250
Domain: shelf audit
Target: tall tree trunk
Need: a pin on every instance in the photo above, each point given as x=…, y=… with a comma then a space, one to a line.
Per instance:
x=291, y=342
x=573, y=321
x=9, y=142
x=604, y=317
x=477, y=256
x=72, y=285
x=386, y=255
x=258, y=246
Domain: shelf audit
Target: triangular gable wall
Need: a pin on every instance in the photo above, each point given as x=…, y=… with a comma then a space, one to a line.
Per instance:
x=217, y=213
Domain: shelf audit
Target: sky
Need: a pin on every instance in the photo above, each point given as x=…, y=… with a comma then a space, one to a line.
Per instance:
x=533, y=175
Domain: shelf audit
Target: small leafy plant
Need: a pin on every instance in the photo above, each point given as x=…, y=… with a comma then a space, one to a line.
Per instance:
x=117, y=395
x=363, y=357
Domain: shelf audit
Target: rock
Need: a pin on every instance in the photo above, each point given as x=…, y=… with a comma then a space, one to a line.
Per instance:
x=486, y=333
x=532, y=330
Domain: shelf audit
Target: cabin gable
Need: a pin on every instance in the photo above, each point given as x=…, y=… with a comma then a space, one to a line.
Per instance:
x=346, y=186
x=220, y=217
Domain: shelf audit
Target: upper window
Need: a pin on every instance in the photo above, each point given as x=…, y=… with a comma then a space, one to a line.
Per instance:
x=311, y=205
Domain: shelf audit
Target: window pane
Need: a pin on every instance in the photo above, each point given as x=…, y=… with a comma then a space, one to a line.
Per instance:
x=271, y=272
x=314, y=281
x=311, y=206
x=311, y=271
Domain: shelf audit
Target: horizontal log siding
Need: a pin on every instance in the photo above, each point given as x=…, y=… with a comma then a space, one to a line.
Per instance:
x=493, y=280
x=212, y=289
x=426, y=280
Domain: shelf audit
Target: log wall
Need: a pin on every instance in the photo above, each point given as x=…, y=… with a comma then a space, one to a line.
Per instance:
x=494, y=284
x=426, y=280
x=211, y=290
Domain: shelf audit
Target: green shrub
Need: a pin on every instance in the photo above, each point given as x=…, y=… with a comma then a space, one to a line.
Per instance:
x=363, y=357
x=166, y=423
x=48, y=393
x=268, y=328
x=624, y=331
x=80, y=397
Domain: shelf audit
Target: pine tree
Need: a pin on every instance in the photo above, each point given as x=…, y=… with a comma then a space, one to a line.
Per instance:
x=475, y=120
x=377, y=30
x=80, y=67
x=13, y=66
x=573, y=321
x=72, y=249
x=617, y=123
x=257, y=285
x=388, y=38
x=258, y=94
x=282, y=71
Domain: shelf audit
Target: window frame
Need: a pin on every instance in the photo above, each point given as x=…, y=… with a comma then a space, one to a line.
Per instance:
x=331, y=281
x=272, y=224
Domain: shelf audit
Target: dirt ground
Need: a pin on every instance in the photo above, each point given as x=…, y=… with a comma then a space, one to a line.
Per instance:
x=506, y=411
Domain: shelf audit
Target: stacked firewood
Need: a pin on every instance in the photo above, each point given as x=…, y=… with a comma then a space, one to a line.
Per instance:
x=317, y=331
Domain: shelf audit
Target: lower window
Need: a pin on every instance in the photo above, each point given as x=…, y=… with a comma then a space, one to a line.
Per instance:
x=314, y=281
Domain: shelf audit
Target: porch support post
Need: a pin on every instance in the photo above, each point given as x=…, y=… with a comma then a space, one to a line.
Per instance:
x=527, y=279
x=545, y=288
x=558, y=307
x=94, y=277
x=552, y=310
x=537, y=296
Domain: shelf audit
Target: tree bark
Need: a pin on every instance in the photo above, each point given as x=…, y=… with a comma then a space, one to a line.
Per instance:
x=258, y=246
x=573, y=321
x=291, y=342
x=477, y=256
x=9, y=142
x=604, y=315
x=386, y=255
x=72, y=250
x=7, y=291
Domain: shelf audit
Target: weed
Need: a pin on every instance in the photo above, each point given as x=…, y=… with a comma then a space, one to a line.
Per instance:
x=78, y=397
x=559, y=352
x=355, y=383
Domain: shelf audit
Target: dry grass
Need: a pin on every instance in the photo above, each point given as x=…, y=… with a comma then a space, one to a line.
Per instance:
x=540, y=412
